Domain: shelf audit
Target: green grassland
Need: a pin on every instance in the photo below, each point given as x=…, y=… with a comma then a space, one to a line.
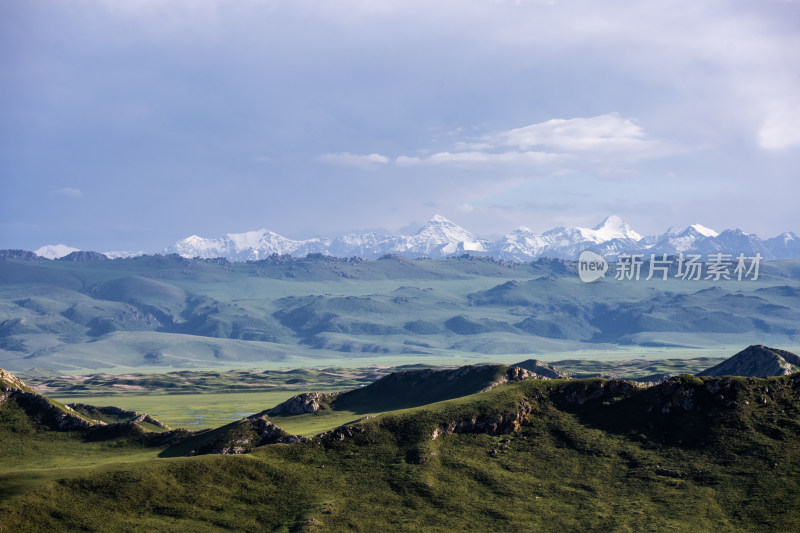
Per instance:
x=205, y=399
x=169, y=313
x=191, y=411
x=579, y=462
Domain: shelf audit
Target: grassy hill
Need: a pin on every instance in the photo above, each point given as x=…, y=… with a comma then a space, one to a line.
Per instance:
x=691, y=454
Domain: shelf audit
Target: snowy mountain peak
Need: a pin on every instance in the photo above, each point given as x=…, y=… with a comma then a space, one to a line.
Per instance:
x=703, y=230
x=445, y=230
x=439, y=219
x=613, y=227
x=55, y=251
x=611, y=221
x=693, y=230
x=441, y=237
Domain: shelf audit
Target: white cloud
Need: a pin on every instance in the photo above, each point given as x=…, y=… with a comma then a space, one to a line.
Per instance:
x=475, y=157
x=355, y=160
x=466, y=208
x=69, y=192
x=602, y=133
x=603, y=141
x=781, y=129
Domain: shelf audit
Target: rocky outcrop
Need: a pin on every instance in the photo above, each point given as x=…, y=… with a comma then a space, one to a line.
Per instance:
x=9, y=380
x=580, y=392
x=53, y=415
x=542, y=369
x=757, y=361
x=309, y=402
x=340, y=433
x=65, y=418
x=687, y=393
x=268, y=432
x=117, y=412
x=492, y=425
x=513, y=374
x=245, y=435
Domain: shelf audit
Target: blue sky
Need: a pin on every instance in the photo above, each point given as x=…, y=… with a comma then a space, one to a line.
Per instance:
x=129, y=124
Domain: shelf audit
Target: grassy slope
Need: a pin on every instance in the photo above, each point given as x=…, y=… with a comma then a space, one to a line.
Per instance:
x=590, y=468
x=207, y=400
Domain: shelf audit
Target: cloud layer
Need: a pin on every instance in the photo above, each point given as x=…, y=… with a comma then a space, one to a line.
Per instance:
x=314, y=116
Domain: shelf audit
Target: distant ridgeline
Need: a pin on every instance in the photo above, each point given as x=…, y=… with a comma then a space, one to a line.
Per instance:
x=86, y=312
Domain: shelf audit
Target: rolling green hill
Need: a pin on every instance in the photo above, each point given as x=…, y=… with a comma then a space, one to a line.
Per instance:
x=689, y=454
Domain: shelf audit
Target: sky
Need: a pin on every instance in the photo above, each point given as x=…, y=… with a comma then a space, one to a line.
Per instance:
x=130, y=124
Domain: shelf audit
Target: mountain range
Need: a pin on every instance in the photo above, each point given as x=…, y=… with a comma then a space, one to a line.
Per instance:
x=441, y=237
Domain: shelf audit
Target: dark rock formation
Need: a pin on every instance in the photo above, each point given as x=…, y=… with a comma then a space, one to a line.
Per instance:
x=83, y=256
x=18, y=254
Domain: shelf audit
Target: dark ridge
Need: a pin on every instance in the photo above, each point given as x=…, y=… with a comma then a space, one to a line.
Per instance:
x=81, y=256
x=19, y=254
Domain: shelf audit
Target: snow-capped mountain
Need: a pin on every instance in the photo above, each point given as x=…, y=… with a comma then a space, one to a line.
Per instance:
x=677, y=240
x=520, y=244
x=438, y=238
x=441, y=237
x=613, y=227
x=248, y=246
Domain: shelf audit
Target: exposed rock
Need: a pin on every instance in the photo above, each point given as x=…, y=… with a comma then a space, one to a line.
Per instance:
x=540, y=368
x=513, y=374
x=67, y=419
x=340, y=433
x=248, y=433
x=133, y=416
x=581, y=392
x=7, y=379
x=757, y=361
x=499, y=425
x=267, y=431
x=303, y=403
x=58, y=419
x=232, y=450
